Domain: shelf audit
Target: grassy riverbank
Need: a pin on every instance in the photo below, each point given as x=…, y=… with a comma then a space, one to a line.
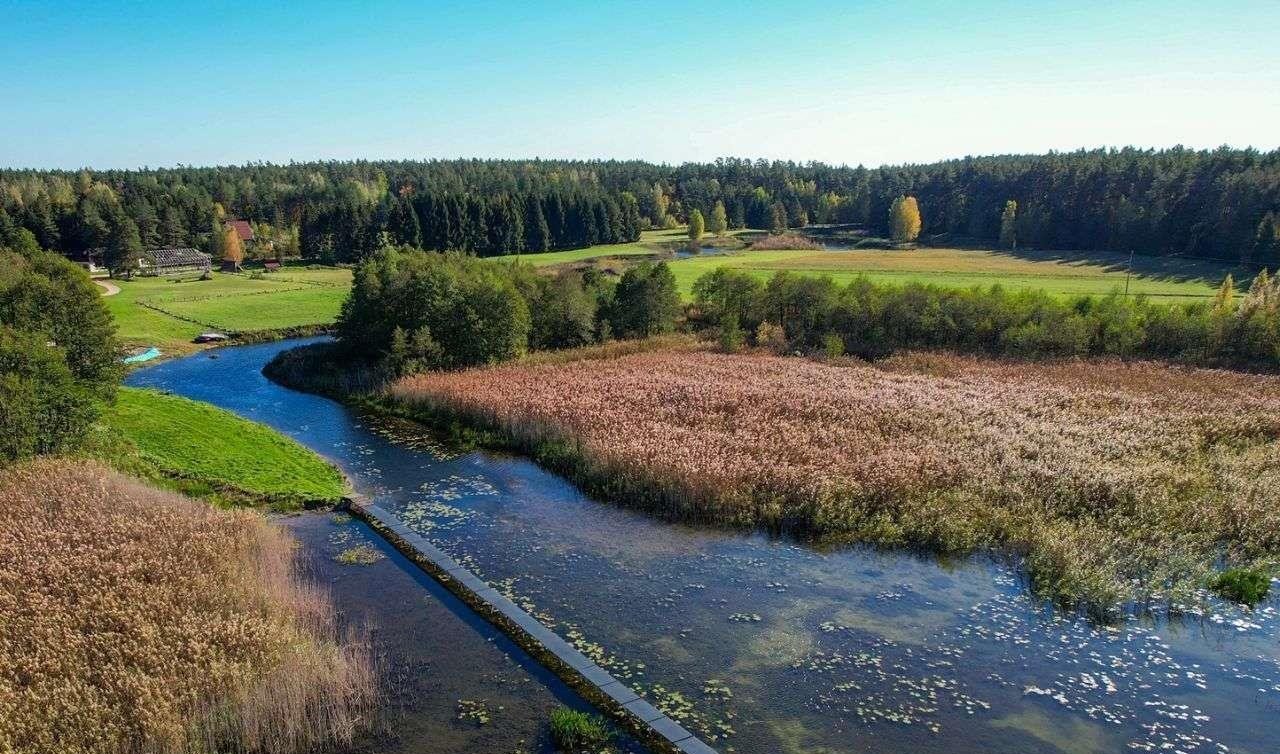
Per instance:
x=1115, y=480
x=211, y=453
x=140, y=620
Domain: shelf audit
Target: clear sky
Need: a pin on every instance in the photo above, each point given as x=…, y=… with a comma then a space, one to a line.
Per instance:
x=128, y=84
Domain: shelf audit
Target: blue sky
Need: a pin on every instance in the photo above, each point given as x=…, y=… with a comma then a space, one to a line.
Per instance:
x=129, y=84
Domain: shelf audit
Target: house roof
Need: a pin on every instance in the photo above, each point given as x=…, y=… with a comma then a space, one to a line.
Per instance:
x=178, y=257
x=242, y=229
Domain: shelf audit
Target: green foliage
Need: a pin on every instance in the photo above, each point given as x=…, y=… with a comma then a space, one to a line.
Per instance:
x=45, y=409
x=1242, y=585
x=833, y=346
x=875, y=320
x=728, y=292
x=472, y=312
x=575, y=731
x=731, y=336
x=645, y=302
x=1009, y=225
x=696, y=225
x=57, y=352
x=719, y=222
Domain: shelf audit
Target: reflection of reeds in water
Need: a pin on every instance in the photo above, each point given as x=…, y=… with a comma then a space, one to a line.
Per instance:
x=1116, y=480
x=137, y=620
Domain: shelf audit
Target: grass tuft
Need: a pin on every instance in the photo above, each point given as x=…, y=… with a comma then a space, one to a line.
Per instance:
x=575, y=731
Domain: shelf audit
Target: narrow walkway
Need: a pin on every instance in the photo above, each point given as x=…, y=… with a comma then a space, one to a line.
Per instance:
x=642, y=719
x=108, y=288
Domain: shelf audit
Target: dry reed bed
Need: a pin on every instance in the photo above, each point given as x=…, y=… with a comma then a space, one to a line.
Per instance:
x=136, y=620
x=1116, y=480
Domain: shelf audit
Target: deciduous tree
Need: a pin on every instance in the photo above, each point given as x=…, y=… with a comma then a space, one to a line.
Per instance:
x=904, y=220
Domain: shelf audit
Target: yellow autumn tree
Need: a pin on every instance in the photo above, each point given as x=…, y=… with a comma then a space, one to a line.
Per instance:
x=904, y=219
x=232, y=248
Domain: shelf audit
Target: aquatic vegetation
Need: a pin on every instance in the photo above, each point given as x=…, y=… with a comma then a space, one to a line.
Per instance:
x=360, y=555
x=138, y=620
x=1243, y=585
x=1114, y=480
x=473, y=710
x=573, y=731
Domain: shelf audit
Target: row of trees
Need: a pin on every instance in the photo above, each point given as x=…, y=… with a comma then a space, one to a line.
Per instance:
x=412, y=310
x=814, y=314
x=58, y=360
x=1222, y=203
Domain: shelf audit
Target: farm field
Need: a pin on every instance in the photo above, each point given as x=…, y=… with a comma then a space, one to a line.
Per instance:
x=651, y=243
x=167, y=314
x=1113, y=479
x=1058, y=274
x=211, y=452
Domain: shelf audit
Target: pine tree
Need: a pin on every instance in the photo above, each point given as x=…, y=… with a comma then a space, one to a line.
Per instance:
x=1009, y=225
x=537, y=234
x=125, y=247
x=904, y=220
x=1266, y=241
x=777, y=217
x=696, y=225
x=173, y=230
x=719, y=219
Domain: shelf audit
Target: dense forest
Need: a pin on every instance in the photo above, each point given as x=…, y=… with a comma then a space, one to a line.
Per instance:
x=1220, y=204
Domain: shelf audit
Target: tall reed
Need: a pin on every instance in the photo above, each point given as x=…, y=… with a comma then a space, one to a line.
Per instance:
x=137, y=620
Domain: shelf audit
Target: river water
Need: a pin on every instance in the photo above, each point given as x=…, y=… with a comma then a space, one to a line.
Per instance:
x=757, y=644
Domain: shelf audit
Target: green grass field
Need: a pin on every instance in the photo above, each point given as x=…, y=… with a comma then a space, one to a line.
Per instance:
x=167, y=314
x=1058, y=274
x=210, y=452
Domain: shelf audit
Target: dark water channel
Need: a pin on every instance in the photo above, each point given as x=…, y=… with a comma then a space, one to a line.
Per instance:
x=755, y=644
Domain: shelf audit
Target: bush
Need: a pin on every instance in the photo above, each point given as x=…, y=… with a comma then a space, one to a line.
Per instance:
x=876, y=320
x=645, y=302
x=574, y=731
x=45, y=409
x=731, y=335
x=1242, y=585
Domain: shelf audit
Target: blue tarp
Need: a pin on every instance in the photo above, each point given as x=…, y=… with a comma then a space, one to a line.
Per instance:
x=146, y=355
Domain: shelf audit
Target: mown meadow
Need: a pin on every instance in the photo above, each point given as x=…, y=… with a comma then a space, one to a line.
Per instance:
x=1115, y=480
x=209, y=452
x=170, y=313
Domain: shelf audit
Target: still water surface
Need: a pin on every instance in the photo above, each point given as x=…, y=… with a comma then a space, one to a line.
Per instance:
x=762, y=645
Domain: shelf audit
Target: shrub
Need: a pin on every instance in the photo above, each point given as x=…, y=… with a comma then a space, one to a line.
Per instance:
x=43, y=408
x=575, y=731
x=645, y=302
x=785, y=241
x=833, y=346
x=876, y=320
x=771, y=336
x=731, y=335
x=1242, y=585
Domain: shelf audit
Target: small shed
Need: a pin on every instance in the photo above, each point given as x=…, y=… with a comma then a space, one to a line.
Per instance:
x=271, y=265
x=230, y=265
x=175, y=261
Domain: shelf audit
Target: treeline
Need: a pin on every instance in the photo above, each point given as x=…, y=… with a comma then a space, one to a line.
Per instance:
x=1221, y=204
x=58, y=360
x=815, y=314
x=411, y=310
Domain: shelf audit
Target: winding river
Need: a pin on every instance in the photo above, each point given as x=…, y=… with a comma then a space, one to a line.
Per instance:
x=759, y=645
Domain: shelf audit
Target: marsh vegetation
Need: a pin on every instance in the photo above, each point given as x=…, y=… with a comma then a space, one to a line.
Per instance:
x=140, y=620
